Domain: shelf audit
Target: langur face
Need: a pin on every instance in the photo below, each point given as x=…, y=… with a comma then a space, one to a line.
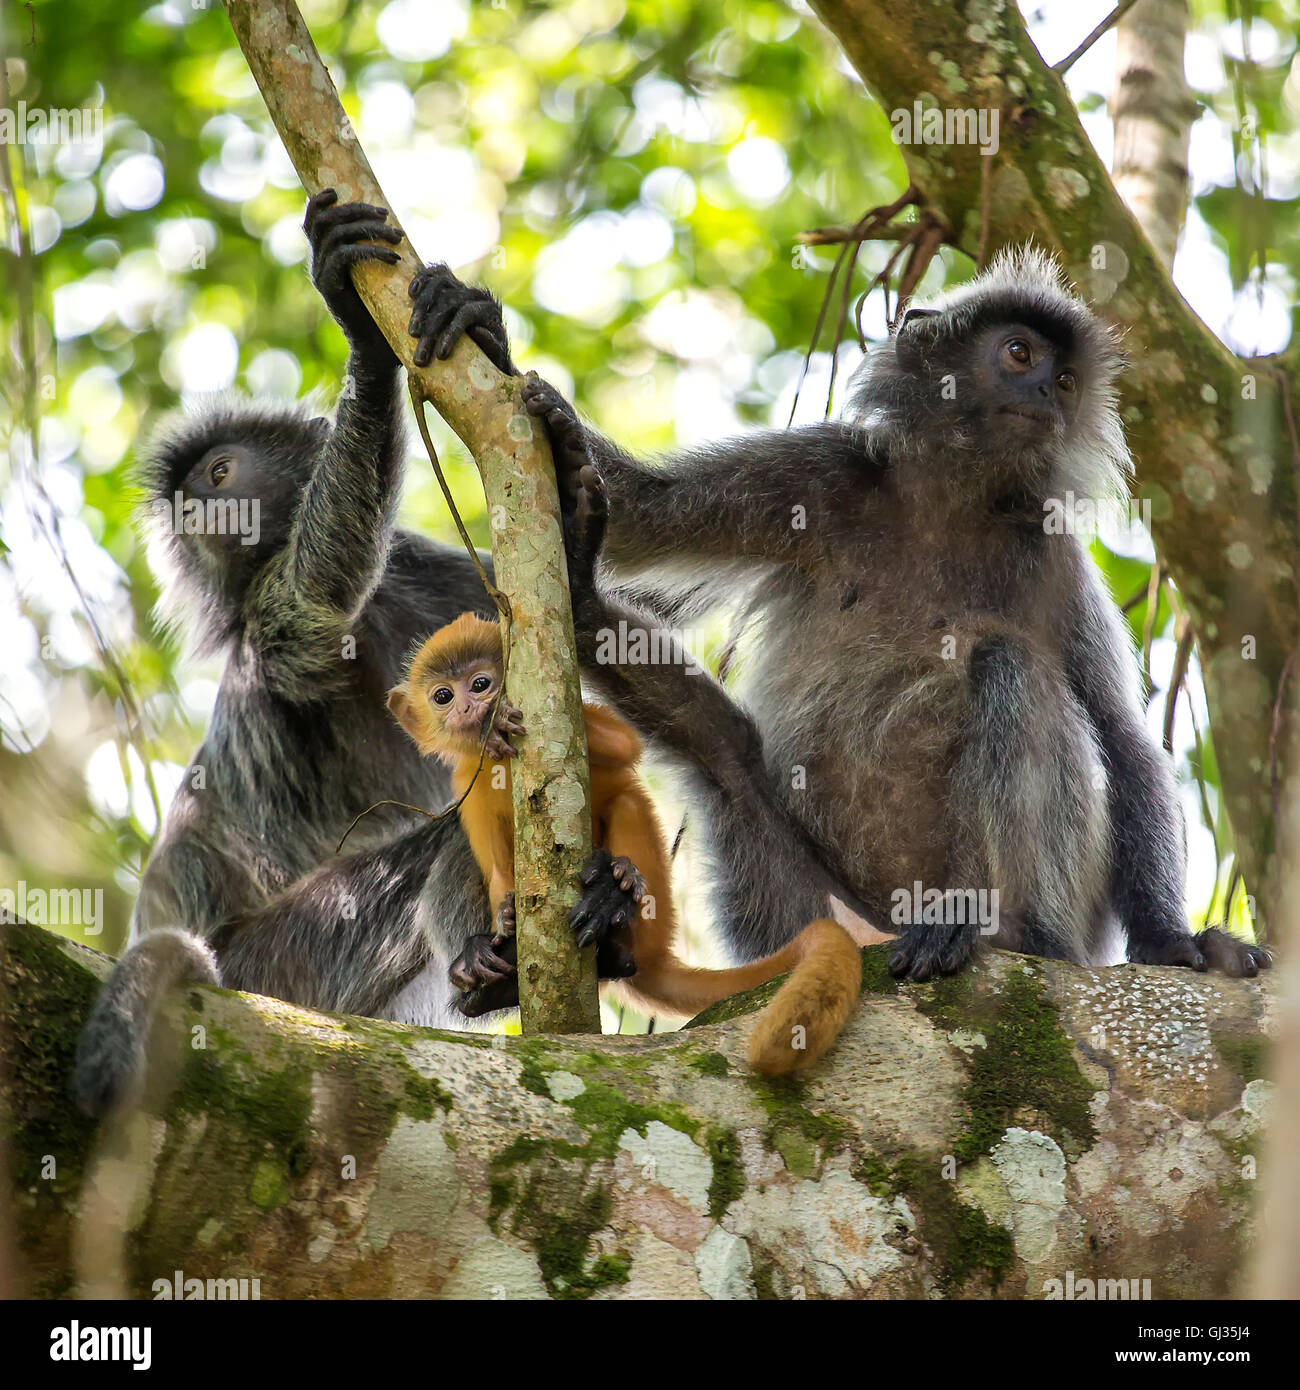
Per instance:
x=464, y=703
x=233, y=504
x=1030, y=385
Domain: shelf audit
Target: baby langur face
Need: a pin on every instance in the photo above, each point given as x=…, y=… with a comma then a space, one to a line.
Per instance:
x=464, y=701
x=1032, y=386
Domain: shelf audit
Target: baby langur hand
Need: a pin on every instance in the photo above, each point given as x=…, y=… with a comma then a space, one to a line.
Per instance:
x=508, y=724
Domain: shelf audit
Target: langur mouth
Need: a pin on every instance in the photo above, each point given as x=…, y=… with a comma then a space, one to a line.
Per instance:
x=1039, y=417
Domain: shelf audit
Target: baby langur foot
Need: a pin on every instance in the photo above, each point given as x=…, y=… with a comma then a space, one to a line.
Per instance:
x=445, y=309
x=507, y=725
x=628, y=876
x=505, y=925
x=927, y=949
x=486, y=973
x=605, y=912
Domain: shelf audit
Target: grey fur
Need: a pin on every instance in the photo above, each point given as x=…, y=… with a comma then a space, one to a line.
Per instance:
x=953, y=683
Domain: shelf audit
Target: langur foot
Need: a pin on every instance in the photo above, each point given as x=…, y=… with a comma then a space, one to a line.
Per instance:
x=605, y=912
x=1210, y=949
x=927, y=949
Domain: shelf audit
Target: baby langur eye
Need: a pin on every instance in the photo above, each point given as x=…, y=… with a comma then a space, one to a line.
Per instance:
x=479, y=684
x=221, y=470
x=442, y=696
x=1019, y=351
x=1066, y=381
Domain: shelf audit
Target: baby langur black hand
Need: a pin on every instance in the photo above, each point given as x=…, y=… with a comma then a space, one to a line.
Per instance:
x=445, y=309
x=508, y=724
x=342, y=235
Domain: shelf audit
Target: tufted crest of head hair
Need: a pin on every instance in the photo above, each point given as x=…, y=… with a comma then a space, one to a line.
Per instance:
x=1023, y=285
x=453, y=649
x=197, y=597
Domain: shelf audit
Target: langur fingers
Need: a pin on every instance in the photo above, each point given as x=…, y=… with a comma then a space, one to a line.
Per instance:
x=628, y=876
x=505, y=924
x=498, y=749
x=445, y=309
x=509, y=720
x=324, y=212
x=317, y=204
x=482, y=963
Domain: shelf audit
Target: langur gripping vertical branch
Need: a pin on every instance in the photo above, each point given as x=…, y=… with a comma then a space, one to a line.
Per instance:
x=485, y=408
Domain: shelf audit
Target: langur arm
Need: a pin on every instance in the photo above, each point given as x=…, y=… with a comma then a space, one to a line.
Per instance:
x=349, y=935
x=311, y=593
x=774, y=497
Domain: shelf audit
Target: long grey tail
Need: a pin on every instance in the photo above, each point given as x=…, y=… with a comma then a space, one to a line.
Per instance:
x=112, y=1049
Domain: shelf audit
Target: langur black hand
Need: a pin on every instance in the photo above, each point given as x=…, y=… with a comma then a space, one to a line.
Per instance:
x=342, y=235
x=486, y=972
x=583, y=504
x=445, y=309
x=605, y=912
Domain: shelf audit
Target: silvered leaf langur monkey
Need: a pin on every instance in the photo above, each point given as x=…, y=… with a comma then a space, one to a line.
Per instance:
x=946, y=696
x=315, y=608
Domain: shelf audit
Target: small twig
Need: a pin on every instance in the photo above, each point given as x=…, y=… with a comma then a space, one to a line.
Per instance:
x=502, y=602
x=986, y=211
x=1234, y=882
x=1157, y=578
x=1183, y=627
x=1109, y=22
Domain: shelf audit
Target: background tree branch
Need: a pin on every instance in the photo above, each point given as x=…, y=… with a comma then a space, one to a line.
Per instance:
x=557, y=982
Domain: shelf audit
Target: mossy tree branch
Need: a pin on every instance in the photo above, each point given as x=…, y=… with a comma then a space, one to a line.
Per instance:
x=557, y=982
x=1030, y=1121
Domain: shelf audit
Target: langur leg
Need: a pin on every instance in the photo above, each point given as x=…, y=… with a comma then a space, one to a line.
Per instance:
x=1027, y=833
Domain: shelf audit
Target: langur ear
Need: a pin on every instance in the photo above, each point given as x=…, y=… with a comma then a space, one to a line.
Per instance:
x=914, y=334
x=403, y=710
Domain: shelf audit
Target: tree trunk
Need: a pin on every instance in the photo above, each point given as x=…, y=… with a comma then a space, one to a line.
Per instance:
x=557, y=982
x=1153, y=111
x=1027, y=1122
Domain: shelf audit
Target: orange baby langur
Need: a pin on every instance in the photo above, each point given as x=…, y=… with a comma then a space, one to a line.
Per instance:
x=445, y=704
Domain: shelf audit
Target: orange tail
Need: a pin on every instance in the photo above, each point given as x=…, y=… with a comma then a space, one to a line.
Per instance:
x=800, y=1023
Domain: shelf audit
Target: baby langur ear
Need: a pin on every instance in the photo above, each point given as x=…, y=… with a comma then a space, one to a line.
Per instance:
x=404, y=711
x=914, y=334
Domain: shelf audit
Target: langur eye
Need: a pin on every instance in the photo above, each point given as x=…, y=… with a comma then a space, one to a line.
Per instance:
x=221, y=470
x=442, y=696
x=480, y=683
x=1066, y=381
x=1019, y=351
